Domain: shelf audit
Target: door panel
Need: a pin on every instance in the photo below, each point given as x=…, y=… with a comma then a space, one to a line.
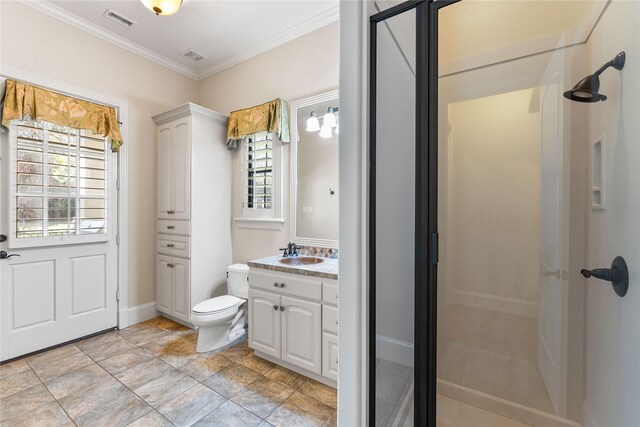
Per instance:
x=181, y=175
x=181, y=301
x=265, y=322
x=27, y=279
x=301, y=333
x=164, y=278
x=165, y=172
x=88, y=283
x=330, y=356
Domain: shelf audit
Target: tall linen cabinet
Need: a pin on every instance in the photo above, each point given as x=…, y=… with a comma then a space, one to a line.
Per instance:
x=193, y=209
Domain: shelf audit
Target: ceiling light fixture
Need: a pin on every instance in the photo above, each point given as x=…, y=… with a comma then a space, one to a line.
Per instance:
x=162, y=7
x=313, y=124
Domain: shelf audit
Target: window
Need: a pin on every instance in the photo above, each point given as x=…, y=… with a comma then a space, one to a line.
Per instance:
x=59, y=181
x=261, y=170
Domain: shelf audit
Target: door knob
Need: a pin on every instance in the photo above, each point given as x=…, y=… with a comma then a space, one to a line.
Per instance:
x=5, y=255
x=618, y=275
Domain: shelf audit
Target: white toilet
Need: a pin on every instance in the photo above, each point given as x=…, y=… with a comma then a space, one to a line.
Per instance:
x=221, y=320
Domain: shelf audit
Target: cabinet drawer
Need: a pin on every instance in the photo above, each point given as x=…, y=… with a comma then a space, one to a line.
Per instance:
x=330, y=293
x=286, y=284
x=330, y=356
x=173, y=245
x=330, y=319
x=167, y=226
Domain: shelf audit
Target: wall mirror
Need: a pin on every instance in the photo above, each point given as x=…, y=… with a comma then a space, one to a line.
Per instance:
x=315, y=125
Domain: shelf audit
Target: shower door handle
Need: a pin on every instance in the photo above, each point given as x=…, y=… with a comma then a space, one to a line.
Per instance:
x=618, y=275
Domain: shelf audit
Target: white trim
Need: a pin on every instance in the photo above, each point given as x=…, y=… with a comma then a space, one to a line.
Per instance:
x=321, y=20
x=122, y=108
x=353, y=293
x=189, y=109
x=518, y=307
x=293, y=166
x=265, y=223
x=93, y=29
x=140, y=313
x=320, y=378
x=394, y=350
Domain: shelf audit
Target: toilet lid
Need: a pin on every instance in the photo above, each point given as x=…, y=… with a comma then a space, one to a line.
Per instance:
x=216, y=304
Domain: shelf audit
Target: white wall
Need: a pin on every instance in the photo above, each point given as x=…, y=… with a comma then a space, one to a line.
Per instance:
x=36, y=43
x=494, y=211
x=303, y=67
x=612, y=334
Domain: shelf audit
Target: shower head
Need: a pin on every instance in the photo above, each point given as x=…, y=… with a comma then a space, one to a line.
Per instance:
x=587, y=89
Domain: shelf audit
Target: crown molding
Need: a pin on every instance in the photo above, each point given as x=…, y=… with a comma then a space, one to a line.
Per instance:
x=321, y=20
x=189, y=109
x=91, y=28
x=312, y=24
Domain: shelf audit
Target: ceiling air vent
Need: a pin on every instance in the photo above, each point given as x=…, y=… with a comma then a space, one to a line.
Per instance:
x=115, y=16
x=193, y=55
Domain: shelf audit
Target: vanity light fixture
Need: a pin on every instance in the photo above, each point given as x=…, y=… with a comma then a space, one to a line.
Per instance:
x=325, y=130
x=162, y=7
x=313, y=124
x=329, y=118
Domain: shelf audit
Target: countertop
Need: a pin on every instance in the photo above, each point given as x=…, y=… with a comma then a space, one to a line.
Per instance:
x=327, y=269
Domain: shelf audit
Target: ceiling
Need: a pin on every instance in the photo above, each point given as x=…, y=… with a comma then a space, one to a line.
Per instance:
x=225, y=32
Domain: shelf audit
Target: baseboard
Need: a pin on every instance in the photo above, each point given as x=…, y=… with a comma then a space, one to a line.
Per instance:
x=524, y=414
x=588, y=419
x=493, y=303
x=396, y=351
x=132, y=315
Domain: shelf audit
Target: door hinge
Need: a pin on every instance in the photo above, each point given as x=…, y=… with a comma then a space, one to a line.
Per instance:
x=117, y=239
x=434, y=248
x=117, y=294
x=117, y=183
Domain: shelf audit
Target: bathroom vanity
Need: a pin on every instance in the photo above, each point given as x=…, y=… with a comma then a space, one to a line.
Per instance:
x=293, y=314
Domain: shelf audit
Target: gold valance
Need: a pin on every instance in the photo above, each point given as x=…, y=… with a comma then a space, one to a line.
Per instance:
x=23, y=101
x=271, y=116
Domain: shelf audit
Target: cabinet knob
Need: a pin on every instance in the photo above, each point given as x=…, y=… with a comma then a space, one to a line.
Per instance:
x=170, y=265
x=170, y=245
x=281, y=308
x=170, y=227
x=275, y=307
x=276, y=285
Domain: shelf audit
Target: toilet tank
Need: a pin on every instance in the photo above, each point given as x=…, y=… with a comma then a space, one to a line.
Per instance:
x=238, y=280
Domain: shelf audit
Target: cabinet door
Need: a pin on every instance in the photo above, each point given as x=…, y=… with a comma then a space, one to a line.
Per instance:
x=163, y=283
x=181, y=176
x=264, y=322
x=165, y=172
x=181, y=283
x=330, y=356
x=301, y=333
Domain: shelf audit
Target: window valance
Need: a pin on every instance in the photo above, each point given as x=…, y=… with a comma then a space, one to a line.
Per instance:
x=23, y=102
x=271, y=116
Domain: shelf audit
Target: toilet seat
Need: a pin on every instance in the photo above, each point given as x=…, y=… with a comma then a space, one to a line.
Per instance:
x=217, y=304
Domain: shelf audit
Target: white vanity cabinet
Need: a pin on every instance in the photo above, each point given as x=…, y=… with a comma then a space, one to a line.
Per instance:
x=193, y=212
x=286, y=317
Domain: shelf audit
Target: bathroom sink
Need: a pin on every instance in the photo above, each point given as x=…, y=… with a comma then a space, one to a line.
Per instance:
x=303, y=260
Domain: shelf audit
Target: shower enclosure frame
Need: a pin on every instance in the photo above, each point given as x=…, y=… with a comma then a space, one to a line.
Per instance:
x=426, y=198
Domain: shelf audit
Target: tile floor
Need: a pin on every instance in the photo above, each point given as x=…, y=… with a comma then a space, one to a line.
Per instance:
x=150, y=375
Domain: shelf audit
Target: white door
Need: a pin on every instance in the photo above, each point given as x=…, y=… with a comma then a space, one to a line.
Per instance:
x=174, y=170
x=552, y=349
x=164, y=279
x=59, y=211
x=265, y=322
x=181, y=280
x=301, y=333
